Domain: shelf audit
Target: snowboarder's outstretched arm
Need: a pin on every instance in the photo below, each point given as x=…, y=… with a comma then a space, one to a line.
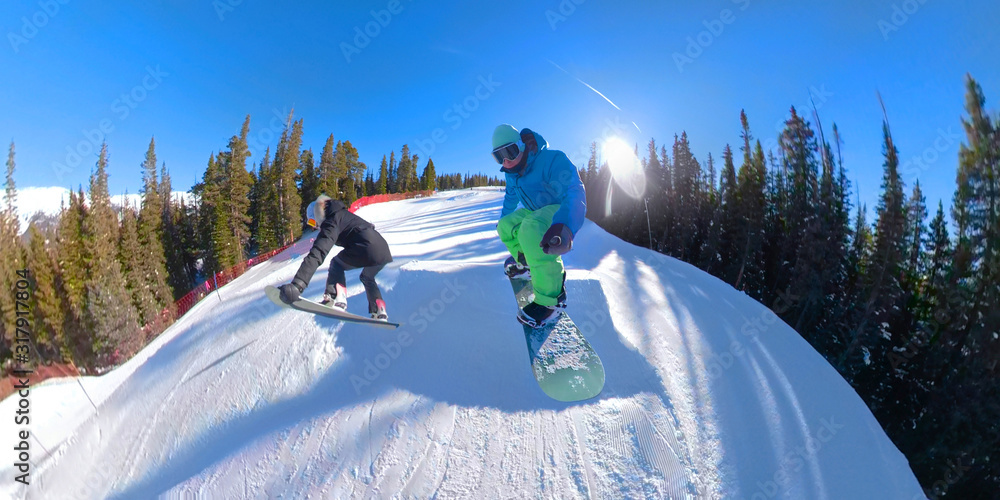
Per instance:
x=329, y=231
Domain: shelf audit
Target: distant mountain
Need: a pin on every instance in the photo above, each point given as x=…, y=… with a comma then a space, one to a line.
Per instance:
x=44, y=203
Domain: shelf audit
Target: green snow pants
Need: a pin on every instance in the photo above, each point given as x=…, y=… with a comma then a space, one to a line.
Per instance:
x=522, y=231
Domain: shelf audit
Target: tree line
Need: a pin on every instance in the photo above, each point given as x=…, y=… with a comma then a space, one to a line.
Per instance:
x=105, y=277
x=905, y=308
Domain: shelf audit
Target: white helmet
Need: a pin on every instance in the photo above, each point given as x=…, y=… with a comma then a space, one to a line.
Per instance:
x=315, y=212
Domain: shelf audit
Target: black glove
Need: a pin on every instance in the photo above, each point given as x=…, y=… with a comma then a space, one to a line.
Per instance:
x=289, y=293
x=528, y=138
x=558, y=240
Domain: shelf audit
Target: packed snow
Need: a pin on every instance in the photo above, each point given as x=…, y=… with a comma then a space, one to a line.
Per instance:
x=707, y=395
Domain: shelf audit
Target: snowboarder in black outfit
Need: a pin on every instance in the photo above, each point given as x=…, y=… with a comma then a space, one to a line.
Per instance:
x=363, y=247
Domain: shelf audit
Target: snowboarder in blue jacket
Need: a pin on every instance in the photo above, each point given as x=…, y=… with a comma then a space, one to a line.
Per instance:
x=546, y=184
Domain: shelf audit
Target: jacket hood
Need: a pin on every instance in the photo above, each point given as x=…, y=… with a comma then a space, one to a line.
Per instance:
x=334, y=206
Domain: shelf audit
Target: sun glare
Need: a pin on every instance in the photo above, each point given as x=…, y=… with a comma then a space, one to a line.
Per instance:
x=625, y=167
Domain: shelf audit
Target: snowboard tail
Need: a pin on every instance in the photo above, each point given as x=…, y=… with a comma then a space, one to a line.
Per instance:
x=564, y=364
x=306, y=305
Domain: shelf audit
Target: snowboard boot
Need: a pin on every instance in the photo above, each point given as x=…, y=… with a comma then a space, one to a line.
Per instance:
x=380, y=314
x=535, y=315
x=561, y=299
x=338, y=301
x=516, y=268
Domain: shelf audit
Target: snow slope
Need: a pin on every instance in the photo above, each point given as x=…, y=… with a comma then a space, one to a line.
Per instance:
x=708, y=394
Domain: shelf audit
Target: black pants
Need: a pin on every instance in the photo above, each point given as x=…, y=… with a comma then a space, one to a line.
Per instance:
x=337, y=269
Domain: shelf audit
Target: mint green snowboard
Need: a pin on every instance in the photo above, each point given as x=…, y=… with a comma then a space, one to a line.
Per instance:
x=563, y=362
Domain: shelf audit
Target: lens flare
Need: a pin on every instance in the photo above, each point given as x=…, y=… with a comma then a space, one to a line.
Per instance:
x=626, y=169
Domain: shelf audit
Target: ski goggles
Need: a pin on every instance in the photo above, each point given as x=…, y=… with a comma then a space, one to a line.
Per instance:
x=311, y=222
x=507, y=152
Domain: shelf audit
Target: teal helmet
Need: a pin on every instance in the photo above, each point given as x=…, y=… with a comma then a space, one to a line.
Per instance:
x=505, y=134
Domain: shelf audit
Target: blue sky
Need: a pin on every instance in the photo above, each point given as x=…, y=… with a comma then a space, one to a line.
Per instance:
x=440, y=76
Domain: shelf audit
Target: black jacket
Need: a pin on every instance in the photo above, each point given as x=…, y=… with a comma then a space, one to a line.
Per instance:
x=362, y=244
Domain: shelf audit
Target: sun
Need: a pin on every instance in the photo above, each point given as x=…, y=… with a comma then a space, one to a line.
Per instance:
x=626, y=169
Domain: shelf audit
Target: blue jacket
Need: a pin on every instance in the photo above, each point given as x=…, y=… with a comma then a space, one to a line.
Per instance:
x=549, y=178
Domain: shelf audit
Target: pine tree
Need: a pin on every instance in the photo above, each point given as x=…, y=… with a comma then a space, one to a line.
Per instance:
x=327, y=177
x=48, y=318
x=403, y=172
x=72, y=261
x=803, y=236
x=414, y=182
x=269, y=227
x=752, y=195
x=708, y=220
x=109, y=315
x=731, y=228
x=881, y=317
x=686, y=176
x=153, y=272
x=286, y=165
x=383, y=178
x=11, y=261
x=236, y=191
x=131, y=256
x=428, y=180
x=350, y=191
x=186, y=220
x=595, y=192
x=209, y=193
x=392, y=182
x=309, y=182
x=369, y=183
